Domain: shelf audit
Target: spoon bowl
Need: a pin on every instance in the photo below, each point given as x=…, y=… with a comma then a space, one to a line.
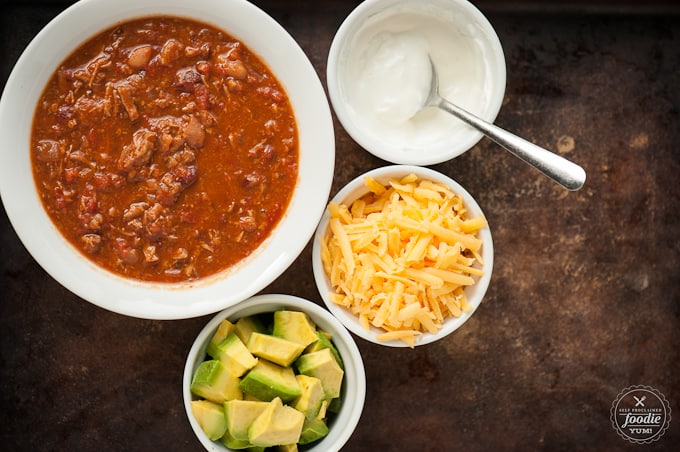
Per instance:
x=566, y=173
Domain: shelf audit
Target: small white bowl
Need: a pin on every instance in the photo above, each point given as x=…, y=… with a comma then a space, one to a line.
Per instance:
x=62, y=261
x=378, y=76
x=356, y=189
x=354, y=386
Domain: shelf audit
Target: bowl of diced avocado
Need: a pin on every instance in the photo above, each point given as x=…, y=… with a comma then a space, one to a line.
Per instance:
x=274, y=373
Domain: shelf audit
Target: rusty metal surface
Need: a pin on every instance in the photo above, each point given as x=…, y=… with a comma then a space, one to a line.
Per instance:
x=584, y=300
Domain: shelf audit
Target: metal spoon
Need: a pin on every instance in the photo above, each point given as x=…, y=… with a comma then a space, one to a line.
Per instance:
x=568, y=174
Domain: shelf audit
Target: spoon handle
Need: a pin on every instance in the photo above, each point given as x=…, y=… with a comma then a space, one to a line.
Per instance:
x=566, y=173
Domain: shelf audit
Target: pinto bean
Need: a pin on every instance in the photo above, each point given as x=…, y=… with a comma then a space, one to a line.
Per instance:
x=140, y=56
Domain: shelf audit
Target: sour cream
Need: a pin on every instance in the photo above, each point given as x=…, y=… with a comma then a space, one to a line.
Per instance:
x=386, y=77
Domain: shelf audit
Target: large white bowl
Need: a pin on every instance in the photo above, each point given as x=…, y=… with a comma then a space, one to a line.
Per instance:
x=286, y=59
x=354, y=386
x=471, y=67
x=356, y=189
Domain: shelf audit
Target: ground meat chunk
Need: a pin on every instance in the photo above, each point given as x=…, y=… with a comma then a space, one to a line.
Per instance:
x=194, y=133
x=156, y=222
x=187, y=78
x=135, y=210
x=248, y=223
x=126, y=95
x=137, y=153
x=126, y=253
x=150, y=256
x=174, y=182
x=49, y=150
x=89, y=108
x=91, y=243
x=169, y=130
x=171, y=51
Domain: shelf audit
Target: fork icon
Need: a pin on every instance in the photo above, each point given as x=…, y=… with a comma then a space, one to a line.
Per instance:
x=640, y=400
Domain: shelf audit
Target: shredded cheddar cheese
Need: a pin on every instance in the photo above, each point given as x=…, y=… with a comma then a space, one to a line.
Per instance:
x=401, y=256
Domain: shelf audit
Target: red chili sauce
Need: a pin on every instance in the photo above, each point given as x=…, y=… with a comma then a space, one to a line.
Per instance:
x=164, y=149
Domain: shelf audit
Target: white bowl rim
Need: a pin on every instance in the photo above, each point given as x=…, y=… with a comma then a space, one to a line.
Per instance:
x=156, y=300
x=356, y=188
x=349, y=416
x=371, y=143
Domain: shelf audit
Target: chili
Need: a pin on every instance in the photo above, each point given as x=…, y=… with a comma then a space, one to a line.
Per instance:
x=164, y=149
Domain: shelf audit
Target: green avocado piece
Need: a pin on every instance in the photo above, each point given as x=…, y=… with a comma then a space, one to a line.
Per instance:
x=213, y=381
x=250, y=397
x=247, y=325
x=309, y=402
x=294, y=326
x=322, y=365
x=235, y=355
x=275, y=349
x=232, y=443
x=335, y=404
x=240, y=414
x=267, y=381
x=237, y=444
x=323, y=410
x=278, y=424
x=210, y=417
x=323, y=340
x=223, y=329
x=313, y=430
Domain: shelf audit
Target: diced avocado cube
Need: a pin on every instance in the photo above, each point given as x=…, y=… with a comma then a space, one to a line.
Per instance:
x=224, y=328
x=275, y=349
x=294, y=326
x=214, y=382
x=251, y=397
x=322, y=365
x=236, y=444
x=232, y=443
x=247, y=325
x=210, y=417
x=323, y=409
x=240, y=414
x=313, y=430
x=323, y=341
x=334, y=405
x=267, y=381
x=235, y=355
x=309, y=402
x=278, y=424
x=287, y=448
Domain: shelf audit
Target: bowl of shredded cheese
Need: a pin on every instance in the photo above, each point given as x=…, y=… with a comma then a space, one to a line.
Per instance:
x=403, y=256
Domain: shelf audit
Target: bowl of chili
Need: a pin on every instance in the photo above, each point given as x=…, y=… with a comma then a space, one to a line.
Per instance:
x=161, y=158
